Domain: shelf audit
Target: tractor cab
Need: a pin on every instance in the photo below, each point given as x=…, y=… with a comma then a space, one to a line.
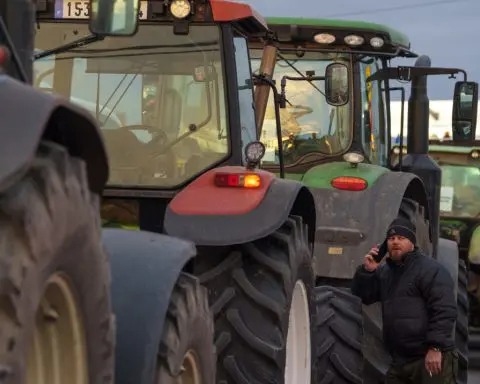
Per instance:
x=173, y=94
x=358, y=120
x=309, y=52
x=457, y=154
x=176, y=85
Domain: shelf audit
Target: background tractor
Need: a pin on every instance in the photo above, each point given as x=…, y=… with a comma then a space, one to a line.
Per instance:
x=460, y=219
x=346, y=163
x=181, y=140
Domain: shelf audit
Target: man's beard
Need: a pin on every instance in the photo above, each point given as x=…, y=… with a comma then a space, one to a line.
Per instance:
x=396, y=254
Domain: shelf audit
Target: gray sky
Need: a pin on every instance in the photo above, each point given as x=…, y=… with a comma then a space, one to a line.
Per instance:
x=446, y=30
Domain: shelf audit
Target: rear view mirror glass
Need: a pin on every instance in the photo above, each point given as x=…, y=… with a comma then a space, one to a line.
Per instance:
x=337, y=84
x=464, y=114
x=114, y=17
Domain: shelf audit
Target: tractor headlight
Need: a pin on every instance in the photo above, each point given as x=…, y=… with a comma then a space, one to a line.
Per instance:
x=376, y=42
x=396, y=150
x=324, y=38
x=475, y=154
x=354, y=40
x=180, y=8
x=353, y=158
x=254, y=152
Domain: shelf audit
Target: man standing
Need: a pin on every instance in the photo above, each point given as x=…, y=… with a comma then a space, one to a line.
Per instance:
x=419, y=308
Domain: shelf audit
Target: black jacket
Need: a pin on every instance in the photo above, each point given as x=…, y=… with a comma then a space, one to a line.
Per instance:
x=418, y=303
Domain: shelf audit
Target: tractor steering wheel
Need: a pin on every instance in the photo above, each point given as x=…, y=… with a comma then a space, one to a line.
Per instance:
x=165, y=164
x=160, y=138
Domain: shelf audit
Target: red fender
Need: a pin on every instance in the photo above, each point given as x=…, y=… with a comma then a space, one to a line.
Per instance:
x=204, y=197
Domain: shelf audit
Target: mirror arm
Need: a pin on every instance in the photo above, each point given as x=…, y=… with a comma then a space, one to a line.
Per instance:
x=407, y=73
x=304, y=78
x=283, y=85
x=276, y=102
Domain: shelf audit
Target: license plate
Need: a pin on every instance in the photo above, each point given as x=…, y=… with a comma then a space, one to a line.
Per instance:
x=80, y=9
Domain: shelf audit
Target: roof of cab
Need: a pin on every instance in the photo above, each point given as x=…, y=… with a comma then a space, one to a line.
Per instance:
x=396, y=37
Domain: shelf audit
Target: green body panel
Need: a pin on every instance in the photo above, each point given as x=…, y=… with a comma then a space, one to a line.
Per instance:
x=452, y=149
x=396, y=37
x=113, y=224
x=321, y=176
x=452, y=222
x=433, y=148
x=474, y=249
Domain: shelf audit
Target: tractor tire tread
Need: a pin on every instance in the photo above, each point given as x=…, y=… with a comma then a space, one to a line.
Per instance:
x=49, y=221
x=250, y=296
x=188, y=328
x=338, y=330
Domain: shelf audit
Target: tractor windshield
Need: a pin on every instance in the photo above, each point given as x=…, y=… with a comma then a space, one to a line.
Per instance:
x=158, y=98
x=310, y=126
x=460, y=191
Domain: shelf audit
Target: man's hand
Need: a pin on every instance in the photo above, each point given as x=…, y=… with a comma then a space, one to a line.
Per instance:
x=433, y=362
x=368, y=262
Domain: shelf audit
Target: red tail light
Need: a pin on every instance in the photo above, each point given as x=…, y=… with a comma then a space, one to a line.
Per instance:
x=237, y=180
x=349, y=183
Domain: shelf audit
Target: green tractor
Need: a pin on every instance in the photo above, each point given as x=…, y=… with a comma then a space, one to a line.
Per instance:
x=172, y=92
x=336, y=139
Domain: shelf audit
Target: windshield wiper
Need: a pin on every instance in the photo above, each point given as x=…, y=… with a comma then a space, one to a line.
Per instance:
x=69, y=46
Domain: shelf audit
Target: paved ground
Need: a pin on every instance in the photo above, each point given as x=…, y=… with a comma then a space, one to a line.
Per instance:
x=473, y=376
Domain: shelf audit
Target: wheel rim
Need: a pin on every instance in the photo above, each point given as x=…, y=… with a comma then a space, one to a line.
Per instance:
x=57, y=352
x=190, y=372
x=298, y=361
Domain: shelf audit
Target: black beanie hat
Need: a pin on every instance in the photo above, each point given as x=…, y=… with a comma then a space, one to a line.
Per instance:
x=402, y=227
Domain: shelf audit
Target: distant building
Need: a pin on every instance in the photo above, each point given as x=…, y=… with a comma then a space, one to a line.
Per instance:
x=440, y=123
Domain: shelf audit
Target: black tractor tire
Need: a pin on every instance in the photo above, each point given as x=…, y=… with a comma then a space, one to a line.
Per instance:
x=187, y=347
x=251, y=293
x=376, y=357
x=461, y=329
x=338, y=336
x=50, y=227
x=474, y=348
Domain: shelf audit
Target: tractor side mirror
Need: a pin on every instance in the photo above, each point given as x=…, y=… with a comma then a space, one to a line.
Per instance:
x=114, y=17
x=337, y=84
x=464, y=114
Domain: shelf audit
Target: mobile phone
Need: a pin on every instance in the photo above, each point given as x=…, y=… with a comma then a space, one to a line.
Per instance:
x=381, y=253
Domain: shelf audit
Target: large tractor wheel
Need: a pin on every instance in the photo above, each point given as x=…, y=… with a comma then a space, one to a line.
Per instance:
x=474, y=348
x=187, y=352
x=261, y=296
x=338, y=330
x=56, y=324
x=448, y=256
x=376, y=356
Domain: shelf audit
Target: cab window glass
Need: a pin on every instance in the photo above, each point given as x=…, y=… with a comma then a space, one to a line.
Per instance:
x=245, y=92
x=374, y=130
